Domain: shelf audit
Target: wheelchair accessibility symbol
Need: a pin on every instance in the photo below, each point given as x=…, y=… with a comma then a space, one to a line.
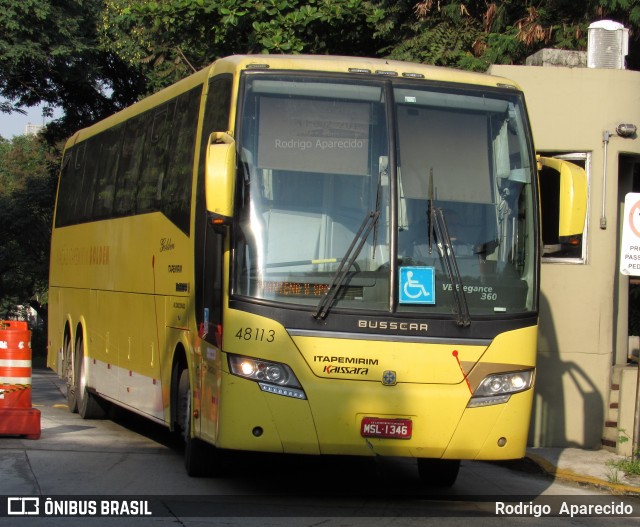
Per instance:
x=417, y=285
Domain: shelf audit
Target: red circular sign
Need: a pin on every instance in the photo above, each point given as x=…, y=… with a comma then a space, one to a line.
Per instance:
x=634, y=219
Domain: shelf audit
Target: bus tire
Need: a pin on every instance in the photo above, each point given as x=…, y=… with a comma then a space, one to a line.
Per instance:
x=89, y=407
x=438, y=472
x=195, y=455
x=70, y=376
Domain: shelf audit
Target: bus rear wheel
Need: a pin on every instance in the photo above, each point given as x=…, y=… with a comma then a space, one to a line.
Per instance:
x=438, y=472
x=69, y=373
x=89, y=407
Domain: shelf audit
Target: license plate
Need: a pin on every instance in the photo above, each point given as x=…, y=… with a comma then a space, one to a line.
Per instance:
x=386, y=428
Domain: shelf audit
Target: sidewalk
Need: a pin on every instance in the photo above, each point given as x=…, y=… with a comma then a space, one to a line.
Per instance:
x=586, y=467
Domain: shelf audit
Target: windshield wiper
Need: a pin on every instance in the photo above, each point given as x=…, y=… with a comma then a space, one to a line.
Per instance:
x=445, y=248
x=430, y=211
x=383, y=171
x=437, y=225
x=345, y=264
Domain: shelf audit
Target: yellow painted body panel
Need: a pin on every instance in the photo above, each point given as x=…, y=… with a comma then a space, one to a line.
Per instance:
x=333, y=358
x=122, y=293
x=209, y=396
x=287, y=424
x=479, y=430
x=136, y=254
x=432, y=391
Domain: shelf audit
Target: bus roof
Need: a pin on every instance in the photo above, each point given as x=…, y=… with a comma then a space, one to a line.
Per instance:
x=323, y=63
x=343, y=64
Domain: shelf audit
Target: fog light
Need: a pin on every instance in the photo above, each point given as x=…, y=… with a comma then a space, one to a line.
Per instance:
x=502, y=441
x=257, y=431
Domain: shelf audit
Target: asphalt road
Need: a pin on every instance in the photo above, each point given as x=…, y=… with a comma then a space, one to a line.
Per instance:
x=138, y=466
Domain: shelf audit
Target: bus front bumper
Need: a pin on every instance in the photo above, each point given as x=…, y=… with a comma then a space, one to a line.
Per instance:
x=329, y=420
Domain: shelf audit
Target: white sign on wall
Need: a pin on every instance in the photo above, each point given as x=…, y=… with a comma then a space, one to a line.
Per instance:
x=630, y=246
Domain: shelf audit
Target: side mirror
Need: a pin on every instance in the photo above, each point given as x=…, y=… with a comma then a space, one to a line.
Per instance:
x=220, y=174
x=572, y=198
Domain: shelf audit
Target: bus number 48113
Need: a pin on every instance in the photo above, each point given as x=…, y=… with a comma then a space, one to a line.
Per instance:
x=258, y=334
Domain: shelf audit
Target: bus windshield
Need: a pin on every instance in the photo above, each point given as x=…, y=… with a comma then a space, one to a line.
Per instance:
x=402, y=195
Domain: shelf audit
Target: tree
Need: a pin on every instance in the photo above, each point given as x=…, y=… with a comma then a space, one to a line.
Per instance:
x=474, y=34
x=90, y=58
x=27, y=191
x=49, y=54
x=173, y=38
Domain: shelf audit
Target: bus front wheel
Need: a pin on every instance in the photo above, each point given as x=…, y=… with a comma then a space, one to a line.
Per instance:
x=198, y=456
x=438, y=472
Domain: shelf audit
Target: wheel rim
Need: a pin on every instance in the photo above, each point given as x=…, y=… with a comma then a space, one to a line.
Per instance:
x=186, y=425
x=184, y=406
x=82, y=376
x=68, y=359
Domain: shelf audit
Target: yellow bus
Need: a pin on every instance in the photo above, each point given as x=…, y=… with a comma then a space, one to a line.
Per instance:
x=308, y=255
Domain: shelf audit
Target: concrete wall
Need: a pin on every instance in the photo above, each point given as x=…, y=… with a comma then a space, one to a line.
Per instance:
x=582, y=306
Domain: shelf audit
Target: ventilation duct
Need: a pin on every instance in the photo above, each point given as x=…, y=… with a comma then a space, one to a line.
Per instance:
x=608, y=45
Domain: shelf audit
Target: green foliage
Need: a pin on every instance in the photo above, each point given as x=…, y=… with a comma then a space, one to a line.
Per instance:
x=49, y=54
x=92, y=57
x=631, y=465
x=27, y=190
x=170, y=39
x=623, y=437
x=474, y=34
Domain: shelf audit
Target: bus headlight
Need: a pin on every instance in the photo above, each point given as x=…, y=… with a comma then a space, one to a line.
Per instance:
x=498, y=387
x=272, y=377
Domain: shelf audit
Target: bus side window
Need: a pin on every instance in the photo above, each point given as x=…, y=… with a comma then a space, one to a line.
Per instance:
x=130, y=166
x=69, y=178
x=176, y=185
x=87, y=192
x=154, y=161
x=108, y=160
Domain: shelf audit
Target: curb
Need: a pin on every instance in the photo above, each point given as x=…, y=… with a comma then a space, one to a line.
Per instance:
x=567, y=475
